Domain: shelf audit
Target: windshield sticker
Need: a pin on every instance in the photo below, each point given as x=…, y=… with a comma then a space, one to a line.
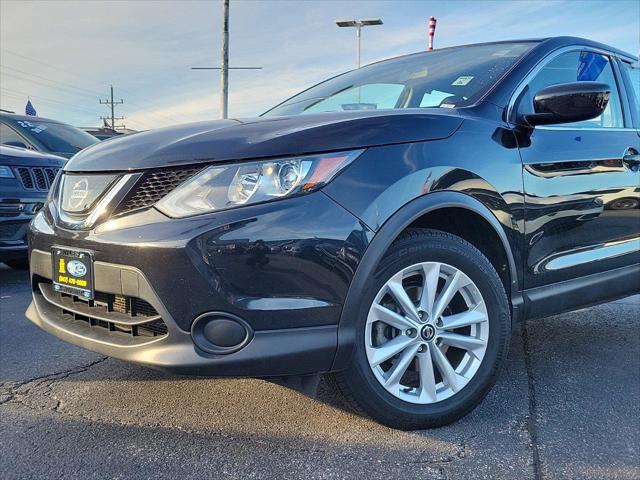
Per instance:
x=34, y=127
x=422, y=73
x=509, y=53
x=462, y=81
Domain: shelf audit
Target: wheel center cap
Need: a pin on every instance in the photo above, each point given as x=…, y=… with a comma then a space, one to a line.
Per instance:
x=428, y=332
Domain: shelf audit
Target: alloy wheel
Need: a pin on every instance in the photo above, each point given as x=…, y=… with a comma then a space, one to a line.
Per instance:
x=426, y=332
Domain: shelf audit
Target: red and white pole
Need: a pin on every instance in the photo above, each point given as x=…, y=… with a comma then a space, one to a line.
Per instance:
x=432, y=31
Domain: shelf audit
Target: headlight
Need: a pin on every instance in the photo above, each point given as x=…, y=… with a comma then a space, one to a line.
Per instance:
x=5, y=172
x=221, y=187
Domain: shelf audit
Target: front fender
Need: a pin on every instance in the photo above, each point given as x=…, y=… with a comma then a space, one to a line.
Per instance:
x=383, y=239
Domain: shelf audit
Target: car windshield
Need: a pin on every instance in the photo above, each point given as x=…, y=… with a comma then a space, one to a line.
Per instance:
x=452, y=77
x=55, y=137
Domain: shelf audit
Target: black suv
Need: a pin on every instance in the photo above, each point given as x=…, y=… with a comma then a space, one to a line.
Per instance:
x=25, y=178
x=385, y=227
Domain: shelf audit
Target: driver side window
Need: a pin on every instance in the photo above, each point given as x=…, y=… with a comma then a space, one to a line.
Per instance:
x=576, y=67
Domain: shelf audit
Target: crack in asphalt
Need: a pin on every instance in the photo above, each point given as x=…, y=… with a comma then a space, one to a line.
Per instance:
x=532, y=423
x=40, y=387
x=12, y=391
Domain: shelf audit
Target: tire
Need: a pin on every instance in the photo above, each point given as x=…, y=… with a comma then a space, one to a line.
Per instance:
x=410, y=401
x=18, y=264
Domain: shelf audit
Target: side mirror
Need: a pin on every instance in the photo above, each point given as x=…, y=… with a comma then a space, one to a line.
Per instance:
x=569, y=102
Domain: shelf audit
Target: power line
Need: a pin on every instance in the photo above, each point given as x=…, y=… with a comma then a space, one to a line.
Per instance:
x=67, y=87
x=24, y=94
x=21, y=95
x=39, y=82
x=69, y=90
x=230, y=68
x=155, y=115
x=75, y=87
x=65, y=71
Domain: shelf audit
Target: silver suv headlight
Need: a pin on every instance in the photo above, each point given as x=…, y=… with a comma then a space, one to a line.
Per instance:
x=221, y=187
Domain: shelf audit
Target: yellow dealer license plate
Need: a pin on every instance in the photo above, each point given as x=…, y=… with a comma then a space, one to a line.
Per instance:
x=73, y=271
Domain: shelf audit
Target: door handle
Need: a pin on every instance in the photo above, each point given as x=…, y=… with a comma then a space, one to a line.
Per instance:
x=631, y=157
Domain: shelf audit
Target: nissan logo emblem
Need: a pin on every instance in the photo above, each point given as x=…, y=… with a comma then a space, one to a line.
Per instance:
x=79, y=193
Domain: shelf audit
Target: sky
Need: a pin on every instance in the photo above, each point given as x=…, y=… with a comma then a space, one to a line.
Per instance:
x=64, y=55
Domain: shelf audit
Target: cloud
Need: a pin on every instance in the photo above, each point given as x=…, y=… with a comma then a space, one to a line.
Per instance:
x=73, y=51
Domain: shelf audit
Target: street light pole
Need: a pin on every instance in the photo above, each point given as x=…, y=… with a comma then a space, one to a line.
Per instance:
x=358, y=35
x=358, y=24
x=224, y=67
x=224, y=70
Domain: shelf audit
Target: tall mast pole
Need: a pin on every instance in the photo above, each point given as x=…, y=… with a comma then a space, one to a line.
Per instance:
x=224, y=70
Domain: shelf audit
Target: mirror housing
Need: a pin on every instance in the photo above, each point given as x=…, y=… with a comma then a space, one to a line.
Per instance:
x=569, y=102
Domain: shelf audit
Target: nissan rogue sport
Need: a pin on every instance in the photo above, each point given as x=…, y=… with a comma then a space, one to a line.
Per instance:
x=385, y=227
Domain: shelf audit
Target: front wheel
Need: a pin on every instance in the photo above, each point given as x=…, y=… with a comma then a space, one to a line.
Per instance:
x=433, y=331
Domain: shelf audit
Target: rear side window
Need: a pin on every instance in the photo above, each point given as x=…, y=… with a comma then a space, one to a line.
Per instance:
x=578, y=67
x=9, y=137
x=634, y=76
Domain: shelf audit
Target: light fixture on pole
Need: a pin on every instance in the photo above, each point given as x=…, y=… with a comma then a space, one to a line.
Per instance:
x=358, y=24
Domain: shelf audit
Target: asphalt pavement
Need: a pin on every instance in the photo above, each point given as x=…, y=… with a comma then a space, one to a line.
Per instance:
x=567, y=405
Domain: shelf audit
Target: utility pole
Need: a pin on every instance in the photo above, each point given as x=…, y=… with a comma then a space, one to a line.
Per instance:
x=111, y=103
x=358, y=24
x=224, y=68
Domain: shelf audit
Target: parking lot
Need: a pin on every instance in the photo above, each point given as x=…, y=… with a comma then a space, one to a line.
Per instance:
x=567, y=405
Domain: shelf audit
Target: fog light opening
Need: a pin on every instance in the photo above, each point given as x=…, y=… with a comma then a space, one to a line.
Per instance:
x=220, y=333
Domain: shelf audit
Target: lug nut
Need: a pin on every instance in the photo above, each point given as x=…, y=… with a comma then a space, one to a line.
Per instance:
x=411, y=332
x=422, y=348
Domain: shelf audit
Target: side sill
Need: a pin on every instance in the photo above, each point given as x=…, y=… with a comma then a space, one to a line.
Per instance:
x=581, y=292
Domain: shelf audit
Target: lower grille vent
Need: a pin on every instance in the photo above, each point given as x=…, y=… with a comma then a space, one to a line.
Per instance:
x=116, y=314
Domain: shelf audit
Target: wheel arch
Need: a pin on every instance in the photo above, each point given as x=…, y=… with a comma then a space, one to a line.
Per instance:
x=416, y=214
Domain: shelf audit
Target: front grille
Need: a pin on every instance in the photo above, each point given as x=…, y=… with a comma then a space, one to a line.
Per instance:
x=131, y=306
x=153, y=185
x=121, y=317
x=37, y=178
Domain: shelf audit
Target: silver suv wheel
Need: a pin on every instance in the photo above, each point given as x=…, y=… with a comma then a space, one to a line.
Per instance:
x=426, y=332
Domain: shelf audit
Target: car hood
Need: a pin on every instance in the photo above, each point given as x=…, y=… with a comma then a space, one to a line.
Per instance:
x=224, y=140
x=18, y=157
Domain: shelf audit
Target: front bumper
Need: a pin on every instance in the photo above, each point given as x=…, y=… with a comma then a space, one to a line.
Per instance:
x=284, y=268
x=15, y=215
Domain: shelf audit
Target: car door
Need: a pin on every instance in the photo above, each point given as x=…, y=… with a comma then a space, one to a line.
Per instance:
x=582, y=213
